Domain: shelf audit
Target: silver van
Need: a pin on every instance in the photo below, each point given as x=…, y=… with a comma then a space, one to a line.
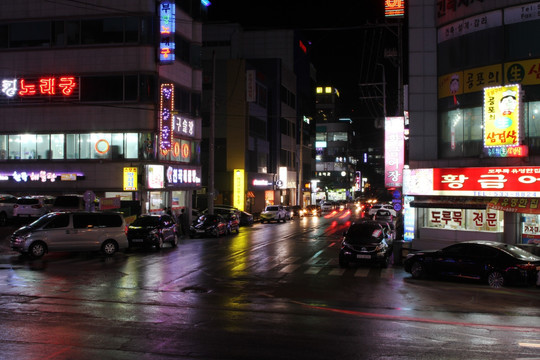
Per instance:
x=72, y=231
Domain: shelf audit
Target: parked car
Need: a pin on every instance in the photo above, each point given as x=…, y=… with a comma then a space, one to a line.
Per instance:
x=384, y=215
x=273, y=213
x=289, y=215
x=152, y=230
x=208, y=225
x=496, y=263
x=246, y=219
x=313, y=210
x=32, y=206
x=298, y=211
x=376, y=207
x=72, y=231
x=7, y=202
x=365, y=242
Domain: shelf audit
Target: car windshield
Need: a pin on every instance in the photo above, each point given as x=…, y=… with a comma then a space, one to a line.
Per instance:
x=43, y=220
x=207, y=219
x=272, y=208
x=146, y=221
x=363, y=233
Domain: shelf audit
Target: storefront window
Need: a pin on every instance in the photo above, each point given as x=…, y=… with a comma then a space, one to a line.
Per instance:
x=72, y=146
x=43, y=145
x=100, y=146
x=132, y=145
x=14, y=146
x=28, y=146
x=57, y=146
x=3, y=147
x=465, y=219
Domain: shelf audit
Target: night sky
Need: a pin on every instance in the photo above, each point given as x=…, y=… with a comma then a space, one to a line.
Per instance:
x=342, y=50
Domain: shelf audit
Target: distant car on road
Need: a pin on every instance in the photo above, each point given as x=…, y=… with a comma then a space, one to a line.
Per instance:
x=327, y=206
x=298, y=211
x=376, y=207
x=496, y=263
x=273, y=213
x=246, y=219
x=313, y=210
x=384, y=215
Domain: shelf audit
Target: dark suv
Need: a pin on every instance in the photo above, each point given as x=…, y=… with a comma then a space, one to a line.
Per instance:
x=365, y=241
x=152, y=230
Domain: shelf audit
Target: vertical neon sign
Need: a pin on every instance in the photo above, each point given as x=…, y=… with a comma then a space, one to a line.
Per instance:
x=167, y=10
x=394, y=152
x=165, y=117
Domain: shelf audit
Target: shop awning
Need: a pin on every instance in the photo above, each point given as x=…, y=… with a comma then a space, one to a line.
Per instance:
x=446, y=202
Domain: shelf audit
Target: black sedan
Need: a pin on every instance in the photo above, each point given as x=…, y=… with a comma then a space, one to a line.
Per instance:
x=494, y=262
x=366, y=242
x=208, y=225
x=152, y=230
x=246, y=219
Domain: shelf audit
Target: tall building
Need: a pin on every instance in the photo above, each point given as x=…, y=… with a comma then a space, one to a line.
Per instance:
x=263, y=103
x=335, y=165
x=103, y=99
x=474, y=95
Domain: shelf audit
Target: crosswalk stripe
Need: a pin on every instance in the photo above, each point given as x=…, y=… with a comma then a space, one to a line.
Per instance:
x=289, y=268
x=313, y=270
x=337, y=272
x=361, y=272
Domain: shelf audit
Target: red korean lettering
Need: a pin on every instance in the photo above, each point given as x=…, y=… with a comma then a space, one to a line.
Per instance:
x=436, y=217
x=446, y=216
x=491, y=219
x=478, y=218
x=67, y=85
x=27, y=89
x=457, y=217
x=46, y=86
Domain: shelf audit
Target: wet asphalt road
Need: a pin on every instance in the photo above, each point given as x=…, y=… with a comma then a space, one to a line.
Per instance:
x=274, y=291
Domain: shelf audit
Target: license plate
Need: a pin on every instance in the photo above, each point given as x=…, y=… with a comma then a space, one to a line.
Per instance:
x=137, y=240
x=363, y=256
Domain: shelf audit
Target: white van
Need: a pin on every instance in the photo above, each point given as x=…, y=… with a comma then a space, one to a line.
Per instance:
x=72, y=231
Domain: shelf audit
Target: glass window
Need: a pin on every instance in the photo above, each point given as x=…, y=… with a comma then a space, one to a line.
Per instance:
x=3, y=147
x=28, y=146
x=337, y=136
x=464, y=219
x=85, y=146
x=131, y=145
x=58, y=33
x=43, y=146
x=131, y=25
x=102, y=88
x=14, y=146
x=100, y=146
x=147, y=30
x=29, y=34
x=461, y=133
x=72, y=146
x=130, y=92
x=117, y=146
x=4, y=39
x=73, y=32
x=102, y=31
x=57, y=146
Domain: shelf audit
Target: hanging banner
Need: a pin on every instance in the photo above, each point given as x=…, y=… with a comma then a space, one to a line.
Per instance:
x=515, y=205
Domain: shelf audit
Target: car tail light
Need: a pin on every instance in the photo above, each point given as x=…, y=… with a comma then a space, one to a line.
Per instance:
x=527, y=266
x=126, y=229
x=15, y=206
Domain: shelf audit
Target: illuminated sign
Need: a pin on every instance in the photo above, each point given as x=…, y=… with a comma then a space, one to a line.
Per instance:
x=154, y=176
x=239, y=196
x=251, y=86
x=501, y=116
x=39, y=176
x=394, y=151
x=183, y=176
x=282, y=182
x=257, y=182
x=33, y=88
x=165, y=117
x=482, y=181
x=130, y=179
x=507, y=151
x=167, y=10
x=393, y=8
x=183, y=126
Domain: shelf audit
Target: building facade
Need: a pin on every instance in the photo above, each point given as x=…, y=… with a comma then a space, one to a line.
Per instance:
x=101, y=99
x=263, y=111
x=473, y=101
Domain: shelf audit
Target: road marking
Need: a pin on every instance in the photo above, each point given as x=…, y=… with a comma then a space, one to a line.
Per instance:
x=337, y=272
x=289, y=268
x=313, y=270
x=361, y=272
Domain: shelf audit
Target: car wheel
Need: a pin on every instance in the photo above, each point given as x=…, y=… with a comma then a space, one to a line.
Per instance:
x=174, y=241
x=109, y=247
x=417, y=270
x=37, y=249
x=495, y=279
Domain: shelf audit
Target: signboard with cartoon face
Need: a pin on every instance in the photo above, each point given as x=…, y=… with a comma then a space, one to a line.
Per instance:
x=501, y=116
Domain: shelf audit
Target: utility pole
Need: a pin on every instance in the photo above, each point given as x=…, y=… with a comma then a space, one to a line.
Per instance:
x=211, y=139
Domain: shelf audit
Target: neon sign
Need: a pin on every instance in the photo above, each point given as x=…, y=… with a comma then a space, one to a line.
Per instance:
x=39, y=175
x=51, y=87
x=165, y=117
x=394, y=8
x=182, y=176
x=167, y=10
x=183, y=126
x=501, y=116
